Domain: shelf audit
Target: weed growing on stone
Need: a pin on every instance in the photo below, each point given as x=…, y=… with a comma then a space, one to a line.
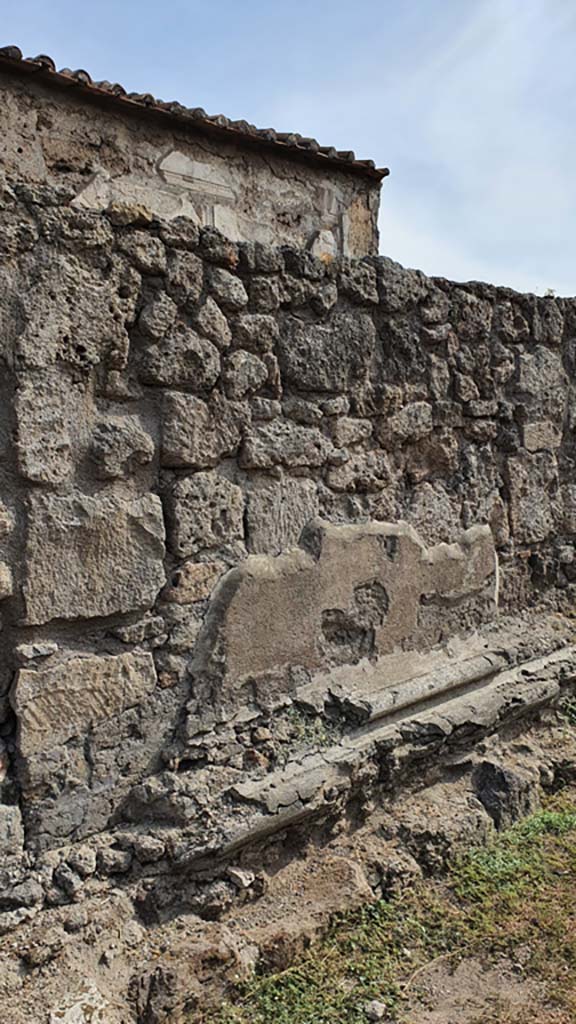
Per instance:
x=304, y=732
x=518, y=893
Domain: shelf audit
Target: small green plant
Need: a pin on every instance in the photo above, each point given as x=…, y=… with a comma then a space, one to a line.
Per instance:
x=308, y=731
x=519, y=890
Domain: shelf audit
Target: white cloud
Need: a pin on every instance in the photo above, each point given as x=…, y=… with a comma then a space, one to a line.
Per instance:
x=479, y=135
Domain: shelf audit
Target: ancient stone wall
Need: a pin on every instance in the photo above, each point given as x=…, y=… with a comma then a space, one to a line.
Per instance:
x=228, y=472
x=100, y=154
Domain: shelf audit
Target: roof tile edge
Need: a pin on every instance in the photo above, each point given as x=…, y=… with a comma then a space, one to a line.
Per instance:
x=291, y=144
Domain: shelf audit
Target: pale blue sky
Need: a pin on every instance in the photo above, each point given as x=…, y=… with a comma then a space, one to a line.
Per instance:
x=471, y=103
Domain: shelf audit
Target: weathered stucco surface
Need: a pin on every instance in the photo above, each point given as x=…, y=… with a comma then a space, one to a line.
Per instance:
x=103, y=156
x=249, y=502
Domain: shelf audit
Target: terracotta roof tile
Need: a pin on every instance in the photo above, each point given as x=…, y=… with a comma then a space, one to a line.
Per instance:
x=291, y=143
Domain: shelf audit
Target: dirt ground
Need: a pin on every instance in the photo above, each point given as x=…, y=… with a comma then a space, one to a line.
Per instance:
x=472, y=992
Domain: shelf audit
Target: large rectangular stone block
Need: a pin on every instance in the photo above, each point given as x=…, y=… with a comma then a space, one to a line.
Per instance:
x=92, y=556
x=54, y=704
x=328, y=357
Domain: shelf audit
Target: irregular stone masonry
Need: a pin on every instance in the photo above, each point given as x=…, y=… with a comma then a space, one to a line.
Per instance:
x=249, y=500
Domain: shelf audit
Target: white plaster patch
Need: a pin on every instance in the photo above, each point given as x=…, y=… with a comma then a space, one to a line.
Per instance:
x=160, y=199
x=201, y=179
x=324, y=244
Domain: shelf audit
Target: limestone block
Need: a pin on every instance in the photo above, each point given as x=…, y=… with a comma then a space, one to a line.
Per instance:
x=283, y=443
x=228, y=289
x=71, y=313
x=358, y=281
x=244, y=373
x=411, y=424
x=212, y=323
x=362, y=473
x=205, y=511
x=543, y=380
x=540, y=436
x=54, y=704
x=329, y=357
x=146, y=252
x=158, y=316
x=301, y=411
x=347, y=431
x=91, y=556
x=434, y=513
x=264, y=294
x=347, y=592
x=535, y=504
x=50, y=411
x=82, y=860
x=29, y=652
x=277, y=511
x=185, y=278
x=87, y=1005
x=265, y=408
x=325, y=298
x=120, y=444
x=198, y=433
x=182, y=359
x=256, y=332
x=439, y=377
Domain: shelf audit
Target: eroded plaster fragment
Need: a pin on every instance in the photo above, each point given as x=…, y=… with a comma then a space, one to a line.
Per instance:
x=345, y=593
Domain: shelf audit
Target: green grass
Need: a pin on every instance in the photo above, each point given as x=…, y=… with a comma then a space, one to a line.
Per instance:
x=519, y=891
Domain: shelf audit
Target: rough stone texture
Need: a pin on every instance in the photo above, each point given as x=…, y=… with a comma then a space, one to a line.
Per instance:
x=206, y=511
x=182, y=359
x=197, y=433
x=91, y=556
x=120, y=444
x=51, y=411
x=281, y=443
x=53, y=704
x=335, y=356
x=277, y=512
x=161, y=702
x=141, y=169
